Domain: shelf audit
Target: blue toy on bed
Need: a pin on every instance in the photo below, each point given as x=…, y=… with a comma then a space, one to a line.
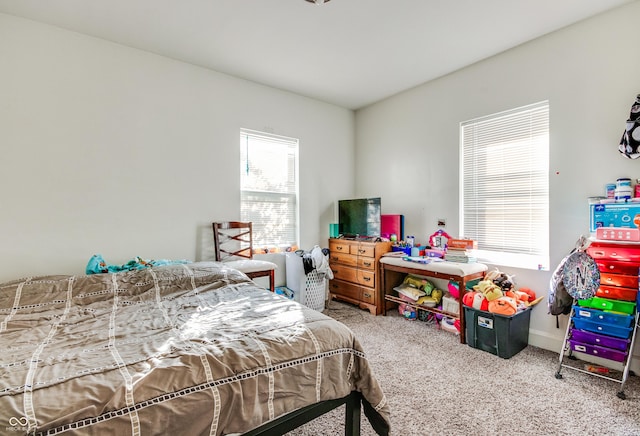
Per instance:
x=97, y=264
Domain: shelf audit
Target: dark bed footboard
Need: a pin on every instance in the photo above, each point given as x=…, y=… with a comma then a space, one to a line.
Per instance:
x=295, y=419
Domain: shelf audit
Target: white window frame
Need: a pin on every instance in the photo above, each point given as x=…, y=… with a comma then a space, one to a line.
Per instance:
x=269, y=188
x=504, y=186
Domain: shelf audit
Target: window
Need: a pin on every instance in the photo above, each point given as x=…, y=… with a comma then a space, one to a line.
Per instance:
x=269, y=188
x=505, y=186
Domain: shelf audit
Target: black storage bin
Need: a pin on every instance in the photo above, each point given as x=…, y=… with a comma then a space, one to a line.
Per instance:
x=504, y=336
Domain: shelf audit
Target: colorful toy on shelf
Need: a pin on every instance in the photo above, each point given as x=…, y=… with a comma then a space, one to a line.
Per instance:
x=439, y=239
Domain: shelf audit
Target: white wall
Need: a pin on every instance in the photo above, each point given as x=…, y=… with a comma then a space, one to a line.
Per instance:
x=407, y=146
x=107, y=149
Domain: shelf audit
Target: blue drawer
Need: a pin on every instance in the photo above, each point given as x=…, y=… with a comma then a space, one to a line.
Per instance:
x=602, y=328
x=600, y=316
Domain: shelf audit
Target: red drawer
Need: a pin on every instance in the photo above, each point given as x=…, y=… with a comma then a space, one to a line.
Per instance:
x=624, y=294
x=619, y=280
x=613, y=267
x=612, y=251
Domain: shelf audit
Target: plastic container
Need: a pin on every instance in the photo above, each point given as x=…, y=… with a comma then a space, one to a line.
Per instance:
x=606, y=304
x=602, y=328
x=504, y=336
x=600, y=340
x=599, y=315
x=595, y=350
x=451, y=305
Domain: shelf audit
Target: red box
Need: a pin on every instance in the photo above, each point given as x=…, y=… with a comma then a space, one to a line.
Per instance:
x=462, y=244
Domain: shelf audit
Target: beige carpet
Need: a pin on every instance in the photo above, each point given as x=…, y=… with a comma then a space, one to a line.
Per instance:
x=435, y=385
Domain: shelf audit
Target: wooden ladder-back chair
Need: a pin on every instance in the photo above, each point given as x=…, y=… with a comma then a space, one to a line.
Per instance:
x=233, y=242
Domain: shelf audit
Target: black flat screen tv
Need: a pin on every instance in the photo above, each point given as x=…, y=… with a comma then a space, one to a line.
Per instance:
x=359, y=217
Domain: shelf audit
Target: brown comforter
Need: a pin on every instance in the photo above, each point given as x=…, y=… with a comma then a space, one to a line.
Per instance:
x=183, y=349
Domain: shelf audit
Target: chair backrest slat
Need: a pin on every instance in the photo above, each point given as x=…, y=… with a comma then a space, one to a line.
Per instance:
x=233, y=239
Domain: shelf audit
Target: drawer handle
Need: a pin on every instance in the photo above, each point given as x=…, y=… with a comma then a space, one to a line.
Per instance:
x=334, y=286
x=360, y=250
x=339, y=248
x=367, y=295
x=367, y=279
x=366, y=263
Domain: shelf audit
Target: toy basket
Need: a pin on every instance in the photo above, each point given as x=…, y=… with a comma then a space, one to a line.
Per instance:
x=451, y=305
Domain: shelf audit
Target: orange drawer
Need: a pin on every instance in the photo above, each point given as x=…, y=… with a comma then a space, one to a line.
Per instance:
x=613, y=267
x=619, y=280
x=625, y=294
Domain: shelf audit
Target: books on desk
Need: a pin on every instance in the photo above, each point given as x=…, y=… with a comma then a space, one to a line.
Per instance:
x=460, y=256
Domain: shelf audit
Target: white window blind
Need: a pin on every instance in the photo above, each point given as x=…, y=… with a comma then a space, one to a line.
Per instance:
x=269, y=187
x=505, y=186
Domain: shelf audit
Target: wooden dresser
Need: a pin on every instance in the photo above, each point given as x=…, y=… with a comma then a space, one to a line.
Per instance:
x=356, y=272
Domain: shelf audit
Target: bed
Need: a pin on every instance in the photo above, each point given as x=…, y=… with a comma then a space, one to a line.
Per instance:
x=180, y=349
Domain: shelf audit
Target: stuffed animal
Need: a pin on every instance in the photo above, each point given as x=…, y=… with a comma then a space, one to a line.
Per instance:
x=529, y=292
x=503, y=306
x=453, y=289
x=475, y=299
x=489, y=289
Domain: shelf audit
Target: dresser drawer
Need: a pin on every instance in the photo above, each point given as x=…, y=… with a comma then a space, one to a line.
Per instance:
x=624, y=294
x=345, y=289
x=613, y=267
x=366, y=262
x=363, y=250
x=346, y=273
x=342, y=258
x=339, y=246
x=352, y=291
x=367, y=278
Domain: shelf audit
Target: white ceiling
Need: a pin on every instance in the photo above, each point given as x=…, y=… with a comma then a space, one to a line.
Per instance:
x=348, y=52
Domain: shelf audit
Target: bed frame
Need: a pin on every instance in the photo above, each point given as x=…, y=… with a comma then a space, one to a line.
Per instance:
x=354, y=404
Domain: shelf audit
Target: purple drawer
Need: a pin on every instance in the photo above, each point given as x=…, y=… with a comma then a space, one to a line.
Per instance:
x=594, y=350
x=619, y=319
x=601, y=340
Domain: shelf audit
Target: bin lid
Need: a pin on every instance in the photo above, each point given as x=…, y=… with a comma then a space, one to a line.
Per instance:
x=580, y=275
